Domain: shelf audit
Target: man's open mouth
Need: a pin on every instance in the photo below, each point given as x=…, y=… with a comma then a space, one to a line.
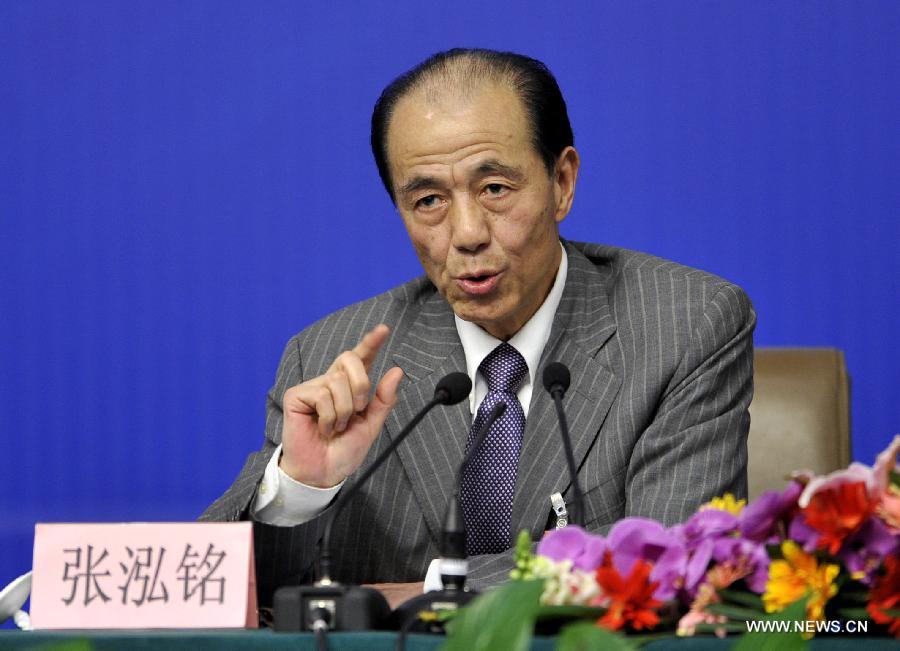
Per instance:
x=478, y=284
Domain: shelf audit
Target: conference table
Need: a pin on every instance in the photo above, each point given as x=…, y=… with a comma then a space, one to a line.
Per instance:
x=365, y=641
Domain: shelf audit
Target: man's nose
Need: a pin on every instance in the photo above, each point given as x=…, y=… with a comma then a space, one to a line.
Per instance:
x=468, y=220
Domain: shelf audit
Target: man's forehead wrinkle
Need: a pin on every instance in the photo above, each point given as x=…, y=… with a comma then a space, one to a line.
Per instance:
x=417, y=183
x=456, y=168
x=494, y=166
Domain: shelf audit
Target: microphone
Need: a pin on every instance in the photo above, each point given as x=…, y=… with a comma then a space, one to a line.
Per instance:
x=556, y=381
x=454, y=562
x=327, y=604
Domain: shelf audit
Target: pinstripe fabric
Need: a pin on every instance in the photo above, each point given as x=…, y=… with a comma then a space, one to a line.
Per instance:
x=661, y=363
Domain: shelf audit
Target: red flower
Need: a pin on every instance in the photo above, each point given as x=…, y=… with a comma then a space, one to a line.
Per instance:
x=629, y=600
x=837, y=511
x=885, y=596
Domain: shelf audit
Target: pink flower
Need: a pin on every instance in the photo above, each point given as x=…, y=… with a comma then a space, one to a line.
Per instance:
x=688, y=624
x=888, y=508
x=837, y=504
x=856, y=473
x=885, y=463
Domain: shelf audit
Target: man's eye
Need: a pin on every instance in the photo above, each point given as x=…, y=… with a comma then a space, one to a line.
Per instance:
x=495, y=189
x=427, y=202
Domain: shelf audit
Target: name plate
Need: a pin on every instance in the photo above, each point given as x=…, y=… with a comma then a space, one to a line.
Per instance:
x=144, y=575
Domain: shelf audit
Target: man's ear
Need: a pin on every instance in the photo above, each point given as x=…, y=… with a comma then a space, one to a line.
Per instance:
x=564, y=178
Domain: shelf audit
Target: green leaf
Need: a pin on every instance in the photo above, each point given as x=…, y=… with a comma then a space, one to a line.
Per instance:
x=735, y=612
x=640, y=639
x=854, y=596
x=569, y=612
x=586, y=636
x=728, y=627
x=748, y=599
x=895, y=477
x=73, y=645
x=759, y=641
x=500, y=619
x=853, y=613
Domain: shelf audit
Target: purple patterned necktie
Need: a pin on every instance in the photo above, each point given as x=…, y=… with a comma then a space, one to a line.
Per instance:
x=490, y=481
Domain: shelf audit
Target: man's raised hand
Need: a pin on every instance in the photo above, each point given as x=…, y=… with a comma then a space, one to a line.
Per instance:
x=330, y=422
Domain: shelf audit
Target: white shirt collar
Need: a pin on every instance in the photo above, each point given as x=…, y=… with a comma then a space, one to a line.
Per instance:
x=529, y=341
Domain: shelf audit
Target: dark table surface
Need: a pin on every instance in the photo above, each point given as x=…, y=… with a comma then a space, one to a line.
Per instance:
x=365, y=641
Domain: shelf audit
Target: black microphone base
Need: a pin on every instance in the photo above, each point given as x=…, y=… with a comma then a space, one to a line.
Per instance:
x=406, y=616
x=351, y=607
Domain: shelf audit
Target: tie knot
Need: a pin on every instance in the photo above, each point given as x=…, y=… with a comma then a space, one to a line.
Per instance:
x=504, y=369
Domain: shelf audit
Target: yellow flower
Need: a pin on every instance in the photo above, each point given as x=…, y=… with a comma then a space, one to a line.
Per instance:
x=795, y=576
x=725, y=503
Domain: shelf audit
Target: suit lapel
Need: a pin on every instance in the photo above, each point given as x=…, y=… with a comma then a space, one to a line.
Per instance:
x=582, y=326
x=429, y=350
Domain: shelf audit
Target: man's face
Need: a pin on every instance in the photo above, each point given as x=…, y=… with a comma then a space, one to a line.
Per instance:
x=478, y=203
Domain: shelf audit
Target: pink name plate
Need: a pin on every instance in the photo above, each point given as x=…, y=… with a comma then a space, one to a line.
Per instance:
x=144, y=575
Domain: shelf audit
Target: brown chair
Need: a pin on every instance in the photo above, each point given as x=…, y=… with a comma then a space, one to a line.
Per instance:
x=800, y=415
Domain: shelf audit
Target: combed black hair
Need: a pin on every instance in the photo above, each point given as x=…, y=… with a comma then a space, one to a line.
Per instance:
x=545, y=108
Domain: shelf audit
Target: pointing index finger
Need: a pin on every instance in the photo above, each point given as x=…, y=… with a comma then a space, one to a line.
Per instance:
x=367, y=349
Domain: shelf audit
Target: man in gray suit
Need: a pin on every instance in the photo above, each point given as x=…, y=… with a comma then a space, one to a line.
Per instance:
x=476, y=151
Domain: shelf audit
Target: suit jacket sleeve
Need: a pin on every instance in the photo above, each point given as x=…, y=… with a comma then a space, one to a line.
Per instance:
x=284, y=555
x=696, y=446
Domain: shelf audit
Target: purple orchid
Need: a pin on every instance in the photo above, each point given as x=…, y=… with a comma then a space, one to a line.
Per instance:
x=633, y=539
x=711, y=535
x=697, y=565
x=708, y=524
x=747, y=553
x=803, y=534
x=573, y=543
x=760, y=518
x=865, y=550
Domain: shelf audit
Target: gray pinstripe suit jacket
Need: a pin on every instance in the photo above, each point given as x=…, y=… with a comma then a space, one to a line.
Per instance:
x=661, y=360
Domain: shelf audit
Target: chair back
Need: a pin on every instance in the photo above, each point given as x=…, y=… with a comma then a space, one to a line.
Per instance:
x=799, y=416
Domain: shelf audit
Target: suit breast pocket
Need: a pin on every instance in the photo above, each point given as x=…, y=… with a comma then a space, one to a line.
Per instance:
x=604, y=504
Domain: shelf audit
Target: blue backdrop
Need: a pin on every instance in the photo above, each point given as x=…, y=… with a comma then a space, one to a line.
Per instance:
x=184, y=185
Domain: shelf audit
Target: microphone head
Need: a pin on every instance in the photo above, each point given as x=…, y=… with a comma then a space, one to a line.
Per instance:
x=556, y=377
x=453, y=388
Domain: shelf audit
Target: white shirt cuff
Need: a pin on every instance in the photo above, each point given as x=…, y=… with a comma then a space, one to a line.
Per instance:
x=285, y=502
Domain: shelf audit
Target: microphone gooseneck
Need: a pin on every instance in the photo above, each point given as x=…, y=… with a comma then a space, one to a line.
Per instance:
x=556, y=381
x=450, y=389
x=497, y=412
x=454, y=566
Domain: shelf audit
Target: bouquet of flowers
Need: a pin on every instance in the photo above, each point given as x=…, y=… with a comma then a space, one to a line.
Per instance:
x=824, y=551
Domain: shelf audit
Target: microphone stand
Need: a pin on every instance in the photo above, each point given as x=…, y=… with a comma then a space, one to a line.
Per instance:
x=454, y=560
x=556, y=381
x=328, y=604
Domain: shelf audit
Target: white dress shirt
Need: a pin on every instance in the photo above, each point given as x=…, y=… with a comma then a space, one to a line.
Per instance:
x=283, y=501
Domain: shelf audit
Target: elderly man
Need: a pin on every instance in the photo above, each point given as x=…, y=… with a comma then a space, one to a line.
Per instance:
x=476, y=151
